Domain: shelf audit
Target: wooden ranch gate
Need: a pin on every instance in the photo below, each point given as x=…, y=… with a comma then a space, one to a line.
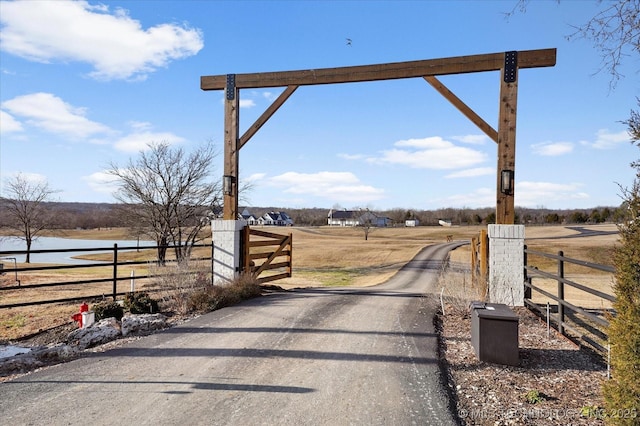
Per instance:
x=272, y=251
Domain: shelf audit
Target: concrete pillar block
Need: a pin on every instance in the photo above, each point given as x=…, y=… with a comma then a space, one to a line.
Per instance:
x=226, y=249
x=506, y=264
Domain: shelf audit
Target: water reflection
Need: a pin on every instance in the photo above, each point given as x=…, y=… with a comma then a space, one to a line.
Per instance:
x=54, y=243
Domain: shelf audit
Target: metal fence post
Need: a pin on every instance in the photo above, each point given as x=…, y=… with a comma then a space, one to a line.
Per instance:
x=115, y=271
x=560, y=292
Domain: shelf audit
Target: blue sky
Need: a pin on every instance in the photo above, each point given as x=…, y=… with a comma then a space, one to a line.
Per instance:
x=86, y=84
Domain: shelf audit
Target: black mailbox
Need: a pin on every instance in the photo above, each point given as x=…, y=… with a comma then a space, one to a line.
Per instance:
x=494, y=333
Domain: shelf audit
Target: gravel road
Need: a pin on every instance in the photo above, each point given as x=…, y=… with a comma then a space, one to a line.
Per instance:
x=331, y=356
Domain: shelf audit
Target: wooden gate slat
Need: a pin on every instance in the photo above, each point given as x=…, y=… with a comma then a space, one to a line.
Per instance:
x=284, y=248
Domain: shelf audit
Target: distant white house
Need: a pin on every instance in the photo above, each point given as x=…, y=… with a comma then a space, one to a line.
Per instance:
x=248, y=217
x=267, y=219
x=342, y=218
x=411, y=222
x=356, y=218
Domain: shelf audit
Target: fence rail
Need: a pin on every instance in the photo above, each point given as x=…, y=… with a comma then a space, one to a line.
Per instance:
x=112, y=272
x=588, y=325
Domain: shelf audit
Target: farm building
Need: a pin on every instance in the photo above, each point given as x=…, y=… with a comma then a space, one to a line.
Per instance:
x=356, y=218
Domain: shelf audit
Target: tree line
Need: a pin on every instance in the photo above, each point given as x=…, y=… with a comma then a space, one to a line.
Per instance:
x=70, y=215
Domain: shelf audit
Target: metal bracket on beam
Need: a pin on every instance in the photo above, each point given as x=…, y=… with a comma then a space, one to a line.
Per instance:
x=510, y=66
x=231, y=87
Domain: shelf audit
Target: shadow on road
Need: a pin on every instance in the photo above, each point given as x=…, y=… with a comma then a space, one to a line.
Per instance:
x=259, y=353
x=216, y=330
x=194, y=385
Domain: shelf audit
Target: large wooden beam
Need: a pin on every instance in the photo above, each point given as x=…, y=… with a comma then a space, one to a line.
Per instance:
x=505, y=206
x=428, y=69
x=266, y=115
x=463, y=108
x=231, y=152
x=390, y=71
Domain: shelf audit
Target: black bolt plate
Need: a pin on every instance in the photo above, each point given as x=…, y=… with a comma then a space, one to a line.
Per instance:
x=510, y=66
x=231, y=87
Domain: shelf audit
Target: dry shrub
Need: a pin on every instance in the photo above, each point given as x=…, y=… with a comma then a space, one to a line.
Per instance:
x=215, y=297
x=188, y=288
x=458, y=290
x=179, y=282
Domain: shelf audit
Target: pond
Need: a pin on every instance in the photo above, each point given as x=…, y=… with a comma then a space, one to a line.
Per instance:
x=54, y=243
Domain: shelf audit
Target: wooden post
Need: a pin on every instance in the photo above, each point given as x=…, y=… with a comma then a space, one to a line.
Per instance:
x=231, y=149
x=505, y=213
x=246, y=250
x=484, y=256
x=290, y=267
x=474, y=261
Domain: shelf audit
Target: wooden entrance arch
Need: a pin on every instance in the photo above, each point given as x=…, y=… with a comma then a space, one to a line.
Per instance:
x=508, y=63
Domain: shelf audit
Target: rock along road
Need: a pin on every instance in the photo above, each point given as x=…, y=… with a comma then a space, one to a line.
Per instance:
x=330, y=356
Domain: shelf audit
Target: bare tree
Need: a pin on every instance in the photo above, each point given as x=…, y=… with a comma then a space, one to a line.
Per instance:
x=614, y=32
x=171, y=194
x=25, y=210
x=367, y=221
x=633, y=127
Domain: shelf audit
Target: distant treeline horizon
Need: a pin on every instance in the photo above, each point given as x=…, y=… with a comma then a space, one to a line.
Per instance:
x=79, y=215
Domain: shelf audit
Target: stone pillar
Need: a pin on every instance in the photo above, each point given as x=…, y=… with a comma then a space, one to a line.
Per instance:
x=506, y=264
x=226, y=249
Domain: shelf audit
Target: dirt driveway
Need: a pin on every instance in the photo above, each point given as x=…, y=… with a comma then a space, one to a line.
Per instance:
x=312, y=356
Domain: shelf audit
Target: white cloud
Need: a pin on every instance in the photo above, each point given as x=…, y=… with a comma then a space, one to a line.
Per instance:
x=52, y=114
x=142, y=136
x=140, y=126
x=112, y=42
x=606, y=140
x=480, y=171
x=527, y=194
x=482, y=197
x=270, y=96
x=531, y=194
x=471, y=139
x=8, y=123
x=247, y=103
x=552, y=149
x=431, y=153
x=333, y=186
x=255, y=177
x=351, y=156
x=244, y=103
x=34, y=178
x=433, y=142
x=102, y=182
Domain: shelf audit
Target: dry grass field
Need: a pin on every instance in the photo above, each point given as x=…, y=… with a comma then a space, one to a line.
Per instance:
x=322, y=256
